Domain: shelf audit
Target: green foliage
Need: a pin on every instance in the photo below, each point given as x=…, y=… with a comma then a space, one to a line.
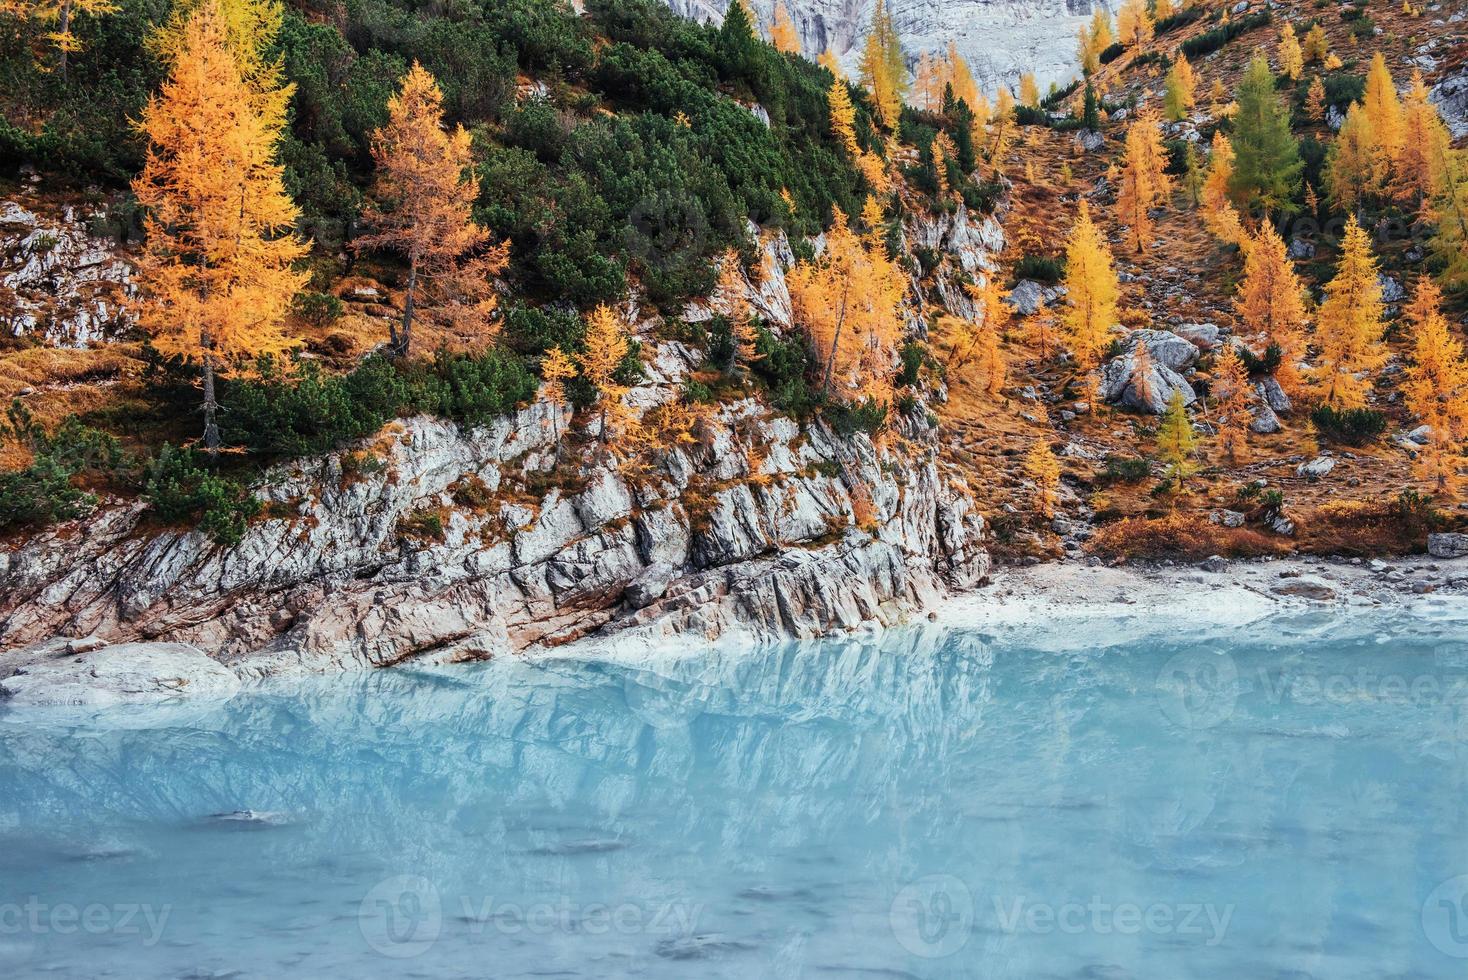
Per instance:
x=312, y=413
x=1267, y=164
x=1182, y=18
x=1112, y=53
x=784, y=367
x=182, y=490
x=1349, y=426
x=1126, y=469
x=849, y=418
x=1266, y=363
x=1210, y=41
x=46, y=491
x=1042, y=268
x=471, y=389
x=913, y=354
x=318, y=309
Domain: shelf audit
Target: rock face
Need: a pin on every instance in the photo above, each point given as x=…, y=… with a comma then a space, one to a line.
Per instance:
x=999, y=38
x=1451, y=98
x=758, y=527
x=1170, y=356
x=57, y=280
x=52, y=674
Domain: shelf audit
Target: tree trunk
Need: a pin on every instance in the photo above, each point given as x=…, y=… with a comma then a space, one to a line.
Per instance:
x=404, y=340
x=63, y=24
x=211, y=426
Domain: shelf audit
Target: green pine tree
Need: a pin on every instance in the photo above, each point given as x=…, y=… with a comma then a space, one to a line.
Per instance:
x=1091, y=113
x=1193, y=175
x=1176, y=442
x=738, y=42
x=1267, y=162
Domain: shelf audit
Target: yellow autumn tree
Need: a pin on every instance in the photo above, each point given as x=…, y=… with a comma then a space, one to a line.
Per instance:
x=1043, y=469
x=555, y=370
x=250, y=27
x=783, y=34
x=731, y=300
x=1232, y=393
x=1317, y=45
x=962, y=78
x=217, y=273
x=1421, y=171
x=1350, y=161
x=1348, y=329
x=1315, y=100
x=928, y=83
x=883, y=67
x=832, y=64
x=1029, y=90
x=1291, y=58
x=1176, y=442
x=1001, y=129
x=1134, y=25
x=1180, y=89
x=60, y=14
x=607, y=346
x=1271, y=300
x=1384, y=109
x=1092, y=289
x=843, y=117
x=1144, y=182
x=1436, y=388
x=847, y=300
x=421, y=206
x=1162, y=9
x=1219, y=214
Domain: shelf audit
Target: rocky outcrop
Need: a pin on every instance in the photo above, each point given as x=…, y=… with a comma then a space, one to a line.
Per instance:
x=58, y=281
x=1170, y=355
x=999, y=38
x=759, y=527
x=58, y=672
x=1451, y=98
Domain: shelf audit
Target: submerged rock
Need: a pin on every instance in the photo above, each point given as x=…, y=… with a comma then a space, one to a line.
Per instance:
x=125, y=673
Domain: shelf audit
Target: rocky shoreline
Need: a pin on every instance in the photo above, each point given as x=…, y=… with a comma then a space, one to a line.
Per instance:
x=1066, y=602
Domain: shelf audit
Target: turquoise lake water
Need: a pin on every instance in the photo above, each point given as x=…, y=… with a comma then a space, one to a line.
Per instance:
x=1290, y=802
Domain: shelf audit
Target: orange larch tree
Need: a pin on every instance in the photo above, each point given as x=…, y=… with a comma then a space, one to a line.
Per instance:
x=607, y=345
x=1271, y=300
x=1231, y=394
x=783, y=34
x=843, y=117
x=1349, y=328
x=847, y=299
x=1436, y=389
x=1420, y=171
x=555, y=370
x=217, y=275
x=422, y=207
x=1092, y=289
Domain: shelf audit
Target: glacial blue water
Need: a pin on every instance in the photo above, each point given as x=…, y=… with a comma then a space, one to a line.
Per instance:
x=1063, y=802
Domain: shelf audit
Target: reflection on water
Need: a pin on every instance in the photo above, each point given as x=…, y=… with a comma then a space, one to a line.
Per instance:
x=934, y=803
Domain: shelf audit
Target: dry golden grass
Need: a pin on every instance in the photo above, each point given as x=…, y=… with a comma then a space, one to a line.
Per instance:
x=1183, y=534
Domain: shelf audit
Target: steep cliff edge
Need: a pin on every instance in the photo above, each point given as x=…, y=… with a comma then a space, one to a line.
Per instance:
x=406, y=562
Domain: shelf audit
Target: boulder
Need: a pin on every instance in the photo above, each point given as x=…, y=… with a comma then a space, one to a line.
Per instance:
x=1203, y=335
x=1391, y=290
x=1301, y=250
x=1265, y=422
x=1315, y=590
x=1316, y=468
x=1027, y=297
x=1227, y=518
x=1272, y=394
x=1169, y=354
x=1420, y=435
x=123, y=673
x=1089, y=141
x=1449, y=544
